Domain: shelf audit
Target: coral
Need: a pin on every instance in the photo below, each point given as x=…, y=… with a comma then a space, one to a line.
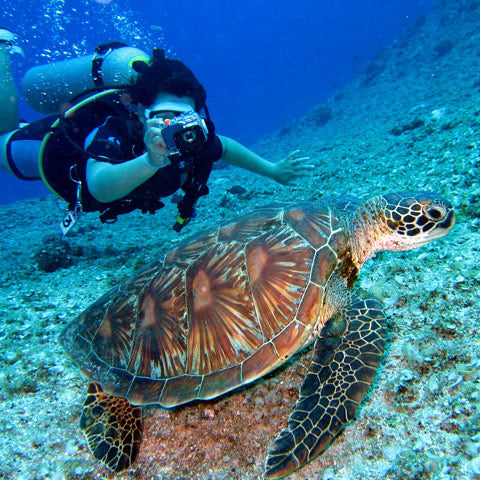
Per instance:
x=55, y=253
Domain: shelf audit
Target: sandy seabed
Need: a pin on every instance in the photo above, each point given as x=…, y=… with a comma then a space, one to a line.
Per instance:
x=409, y=121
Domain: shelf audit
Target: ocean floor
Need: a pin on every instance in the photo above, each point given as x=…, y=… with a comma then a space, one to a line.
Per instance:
x=410, y=121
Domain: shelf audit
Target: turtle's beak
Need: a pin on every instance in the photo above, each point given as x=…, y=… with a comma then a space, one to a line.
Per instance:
x=438, y=231
x=449, y=222
x=442, y=227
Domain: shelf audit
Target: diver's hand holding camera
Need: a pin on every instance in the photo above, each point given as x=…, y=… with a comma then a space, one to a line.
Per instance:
x=157, y=151
x=167, y=138
x=184, y=134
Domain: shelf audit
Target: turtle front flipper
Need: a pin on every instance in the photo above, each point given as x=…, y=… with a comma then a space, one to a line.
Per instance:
x=113, y=428
x=344, y=363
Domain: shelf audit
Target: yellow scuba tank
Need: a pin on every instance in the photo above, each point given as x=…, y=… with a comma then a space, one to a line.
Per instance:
x=47, y=88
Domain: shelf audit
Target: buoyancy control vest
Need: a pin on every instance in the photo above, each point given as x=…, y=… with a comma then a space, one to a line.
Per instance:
x=62, y=160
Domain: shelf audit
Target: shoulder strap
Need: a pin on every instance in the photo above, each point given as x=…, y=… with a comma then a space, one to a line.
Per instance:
x=196, y=184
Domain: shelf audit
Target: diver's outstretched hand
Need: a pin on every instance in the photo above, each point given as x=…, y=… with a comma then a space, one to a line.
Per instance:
x=291, y=168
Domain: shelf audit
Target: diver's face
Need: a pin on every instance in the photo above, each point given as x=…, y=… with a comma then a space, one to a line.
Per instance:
x=167, y=105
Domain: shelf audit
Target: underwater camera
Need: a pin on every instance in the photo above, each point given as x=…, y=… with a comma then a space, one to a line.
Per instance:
x=184, y=134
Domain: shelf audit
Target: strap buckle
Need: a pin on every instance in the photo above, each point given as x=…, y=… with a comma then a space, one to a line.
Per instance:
x=72, y=215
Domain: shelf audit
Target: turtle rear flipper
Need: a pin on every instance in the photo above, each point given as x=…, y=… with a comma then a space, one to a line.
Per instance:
x=344, y=363
x=113, y=428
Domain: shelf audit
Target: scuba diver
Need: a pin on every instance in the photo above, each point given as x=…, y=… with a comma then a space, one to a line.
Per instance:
x=125, y=130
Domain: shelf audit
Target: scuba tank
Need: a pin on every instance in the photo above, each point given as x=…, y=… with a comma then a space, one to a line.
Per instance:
x=47, y=88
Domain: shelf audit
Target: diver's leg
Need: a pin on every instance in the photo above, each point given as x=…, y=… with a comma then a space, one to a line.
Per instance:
x=17, y=158
x=19, y=154
x=4, y=163
x=8, y=89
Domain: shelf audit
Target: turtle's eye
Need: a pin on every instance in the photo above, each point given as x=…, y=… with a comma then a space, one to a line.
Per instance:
x=435, y=212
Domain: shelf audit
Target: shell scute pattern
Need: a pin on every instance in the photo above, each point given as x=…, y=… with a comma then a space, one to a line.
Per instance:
x=144, y=391
x=311, y=306
x=135, y=283
x=188, y=251
x=159, y=345
x=313, y=225
x=179, y=390
x=251, y=225
x=89, y=321
x=322, y=230
x=279, y=265
x=114, y=334
x=221, y=310
x=260, y=363
x=290, y=339
x=223, y=328
x=218, y=382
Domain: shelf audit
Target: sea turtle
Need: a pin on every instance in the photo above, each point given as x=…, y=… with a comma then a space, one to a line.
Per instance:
x=224, y=308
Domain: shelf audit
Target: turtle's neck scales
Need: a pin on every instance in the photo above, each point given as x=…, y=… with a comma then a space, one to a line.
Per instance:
x=366, y=230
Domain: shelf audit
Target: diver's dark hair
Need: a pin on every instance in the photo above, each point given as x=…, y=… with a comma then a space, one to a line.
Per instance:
x=166, y=75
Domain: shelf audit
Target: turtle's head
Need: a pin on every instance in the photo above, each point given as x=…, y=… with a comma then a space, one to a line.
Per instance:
x=413, y=219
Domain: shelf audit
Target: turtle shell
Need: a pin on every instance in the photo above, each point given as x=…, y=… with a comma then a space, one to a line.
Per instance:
x=218, y=311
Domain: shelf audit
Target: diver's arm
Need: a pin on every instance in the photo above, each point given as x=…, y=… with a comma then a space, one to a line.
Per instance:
x=240, y=156
x=284, y=172
x=109, y=182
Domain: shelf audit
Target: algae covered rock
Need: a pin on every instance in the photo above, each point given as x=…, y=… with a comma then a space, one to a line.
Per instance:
x=55, y=253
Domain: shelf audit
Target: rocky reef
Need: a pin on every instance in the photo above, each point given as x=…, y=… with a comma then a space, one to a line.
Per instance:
x=413, y=125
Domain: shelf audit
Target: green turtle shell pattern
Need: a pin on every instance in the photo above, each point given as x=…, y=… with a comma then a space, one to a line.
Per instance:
x=218, y=311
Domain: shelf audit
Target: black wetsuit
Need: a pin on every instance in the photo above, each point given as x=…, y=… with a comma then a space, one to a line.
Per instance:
x=116, y=141
x=119, y=138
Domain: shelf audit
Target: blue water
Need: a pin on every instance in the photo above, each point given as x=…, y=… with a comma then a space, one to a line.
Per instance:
x=263, y=63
